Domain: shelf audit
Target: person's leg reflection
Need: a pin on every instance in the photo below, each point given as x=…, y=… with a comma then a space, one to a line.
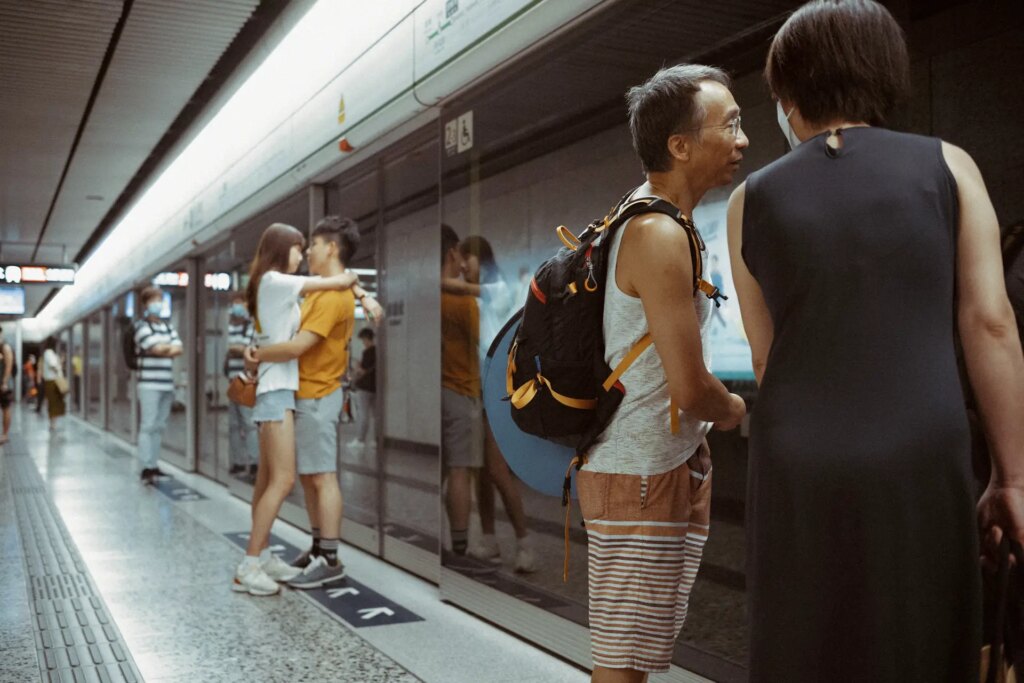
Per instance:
x=458, y=504
x=236, y=426
x=496, y=473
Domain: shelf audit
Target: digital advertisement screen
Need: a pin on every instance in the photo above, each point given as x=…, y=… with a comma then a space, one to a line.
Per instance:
x=12, y=301
x=730, y=352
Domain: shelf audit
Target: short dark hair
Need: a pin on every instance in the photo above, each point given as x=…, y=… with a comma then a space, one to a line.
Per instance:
x=344, y=232
x=449, y=240
x=150, y=293
x=667, y=105
x=366, y=333
x=840, y=59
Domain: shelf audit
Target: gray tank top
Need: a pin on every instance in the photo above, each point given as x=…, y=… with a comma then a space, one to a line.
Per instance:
x=639, y=439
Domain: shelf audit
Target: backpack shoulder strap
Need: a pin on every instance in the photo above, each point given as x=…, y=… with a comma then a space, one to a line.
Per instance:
x=642, y=205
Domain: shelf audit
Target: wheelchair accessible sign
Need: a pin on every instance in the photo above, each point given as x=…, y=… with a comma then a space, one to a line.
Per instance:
x=356, y=603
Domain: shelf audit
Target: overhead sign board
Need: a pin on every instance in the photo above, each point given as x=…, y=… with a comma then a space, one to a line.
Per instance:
x=37, y=274
x=217, y=281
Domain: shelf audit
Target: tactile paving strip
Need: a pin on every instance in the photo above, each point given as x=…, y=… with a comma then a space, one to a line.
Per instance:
x=76, y=638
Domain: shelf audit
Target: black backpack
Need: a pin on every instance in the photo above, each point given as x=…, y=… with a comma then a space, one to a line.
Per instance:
x=558, y=382
x=128, y=347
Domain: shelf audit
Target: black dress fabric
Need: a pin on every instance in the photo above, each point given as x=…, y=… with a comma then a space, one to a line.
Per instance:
x=862, y=541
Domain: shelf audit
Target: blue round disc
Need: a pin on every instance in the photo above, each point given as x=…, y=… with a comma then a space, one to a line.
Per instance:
x=540, y=463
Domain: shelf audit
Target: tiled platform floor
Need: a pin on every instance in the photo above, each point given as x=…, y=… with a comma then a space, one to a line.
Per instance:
x=164, y=568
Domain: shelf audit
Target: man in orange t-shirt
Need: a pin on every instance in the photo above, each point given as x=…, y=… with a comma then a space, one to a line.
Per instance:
x=321, y=345
x=462, y=435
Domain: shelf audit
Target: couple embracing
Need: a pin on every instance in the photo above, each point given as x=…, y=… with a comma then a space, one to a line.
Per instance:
x=300, y=357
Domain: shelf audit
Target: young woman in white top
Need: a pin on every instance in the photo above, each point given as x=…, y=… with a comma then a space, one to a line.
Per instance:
x=52, y=370
x=273, y=293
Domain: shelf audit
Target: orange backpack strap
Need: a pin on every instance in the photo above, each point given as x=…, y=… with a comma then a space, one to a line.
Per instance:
x=577, y=462
x=628, y=360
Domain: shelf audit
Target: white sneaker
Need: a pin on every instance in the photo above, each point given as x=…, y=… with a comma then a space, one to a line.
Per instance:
x=253, y=580
x=279, y=570
x=355, y=445
x=486, y=549
x=526, y=561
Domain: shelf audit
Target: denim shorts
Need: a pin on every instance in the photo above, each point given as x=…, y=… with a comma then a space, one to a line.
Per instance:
x=316, y=433
x=270, y=406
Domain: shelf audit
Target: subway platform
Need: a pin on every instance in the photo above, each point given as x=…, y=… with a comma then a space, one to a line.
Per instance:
x=103, y=579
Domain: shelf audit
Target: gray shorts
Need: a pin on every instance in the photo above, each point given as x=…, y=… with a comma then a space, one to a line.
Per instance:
x=271, y=406
x=462, y=432
x=316, y=433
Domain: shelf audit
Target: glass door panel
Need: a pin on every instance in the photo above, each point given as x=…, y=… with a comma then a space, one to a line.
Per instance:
x=409, y=372
x=121, y=386
x=95, y=370
x=354, y=195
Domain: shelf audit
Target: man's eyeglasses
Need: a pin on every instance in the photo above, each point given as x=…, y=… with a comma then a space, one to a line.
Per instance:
x=734, y=126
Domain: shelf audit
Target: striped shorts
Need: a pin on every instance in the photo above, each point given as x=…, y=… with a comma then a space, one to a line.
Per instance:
x=645, y=535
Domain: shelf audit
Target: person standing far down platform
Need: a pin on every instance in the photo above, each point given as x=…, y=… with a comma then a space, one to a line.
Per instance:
x=8, y=371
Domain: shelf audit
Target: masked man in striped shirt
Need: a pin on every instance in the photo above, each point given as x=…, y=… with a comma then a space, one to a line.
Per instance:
x=158, y=344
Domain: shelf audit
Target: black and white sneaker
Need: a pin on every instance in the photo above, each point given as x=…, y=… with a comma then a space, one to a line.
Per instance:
x=148, y=477
x=302, y=560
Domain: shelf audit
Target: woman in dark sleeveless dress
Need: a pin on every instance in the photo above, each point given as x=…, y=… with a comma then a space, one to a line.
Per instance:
x=863, y=545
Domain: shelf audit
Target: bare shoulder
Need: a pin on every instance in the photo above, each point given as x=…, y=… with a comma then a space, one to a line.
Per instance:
x=734, y=211
x=738, y=195
x=654, y=249
x=653, y=232
x=960, y=163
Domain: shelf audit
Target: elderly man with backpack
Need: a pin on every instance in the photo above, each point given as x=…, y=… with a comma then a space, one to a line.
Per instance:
x=628, y=299
x=645, y=488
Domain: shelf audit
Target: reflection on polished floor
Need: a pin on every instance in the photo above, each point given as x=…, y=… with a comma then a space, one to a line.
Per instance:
x=152, y=567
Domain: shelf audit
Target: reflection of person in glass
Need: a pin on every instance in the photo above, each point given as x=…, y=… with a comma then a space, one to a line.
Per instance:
x=321, y=345
x=40, y=392
x=273, y=292
x=366, y=387
x=244, y=446
x=76, y=377
x=484, y=280
x=645, y=490
x=461, y=408
x=159, y=344
x=863, y=517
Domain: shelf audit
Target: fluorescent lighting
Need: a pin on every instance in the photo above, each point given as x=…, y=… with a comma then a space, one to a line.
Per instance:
x=331, y=35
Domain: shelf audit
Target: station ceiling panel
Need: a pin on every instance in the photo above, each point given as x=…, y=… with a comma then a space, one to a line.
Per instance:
x=61, y=170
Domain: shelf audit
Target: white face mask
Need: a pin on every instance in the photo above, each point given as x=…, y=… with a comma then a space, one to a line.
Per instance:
x=786, y=126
